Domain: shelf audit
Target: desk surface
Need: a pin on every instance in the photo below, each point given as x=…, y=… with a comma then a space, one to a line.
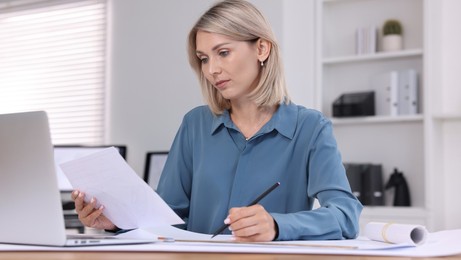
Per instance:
x=188, y=256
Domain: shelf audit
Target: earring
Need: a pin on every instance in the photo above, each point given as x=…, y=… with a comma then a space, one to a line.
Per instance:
x=262, y=63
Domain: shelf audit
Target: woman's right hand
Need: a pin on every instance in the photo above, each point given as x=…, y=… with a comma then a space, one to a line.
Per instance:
x=88, y=214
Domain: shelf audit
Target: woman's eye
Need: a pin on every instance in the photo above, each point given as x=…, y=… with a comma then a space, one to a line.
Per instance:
x=203, y=60
x=223, y=53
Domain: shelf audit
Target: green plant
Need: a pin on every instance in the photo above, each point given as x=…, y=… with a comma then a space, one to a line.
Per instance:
x=392, y=27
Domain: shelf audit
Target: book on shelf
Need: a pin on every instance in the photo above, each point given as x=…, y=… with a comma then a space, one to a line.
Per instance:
x=365, y=42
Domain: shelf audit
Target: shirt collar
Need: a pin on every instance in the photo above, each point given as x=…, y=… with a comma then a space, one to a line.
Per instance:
x=218, y=120
x=284, y=120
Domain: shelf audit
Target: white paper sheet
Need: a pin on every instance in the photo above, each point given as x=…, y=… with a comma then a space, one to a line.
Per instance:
x=442, y=243
x=396, y=233
x=170, y=233
x=128, y=201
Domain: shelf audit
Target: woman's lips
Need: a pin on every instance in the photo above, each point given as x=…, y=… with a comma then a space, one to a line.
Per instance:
x=221, y=84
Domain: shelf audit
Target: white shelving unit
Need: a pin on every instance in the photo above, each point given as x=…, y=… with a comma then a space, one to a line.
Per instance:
x=392, y=141
x=373, y=57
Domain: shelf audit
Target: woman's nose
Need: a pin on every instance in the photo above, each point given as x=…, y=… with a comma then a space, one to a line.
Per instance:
x=214, y=67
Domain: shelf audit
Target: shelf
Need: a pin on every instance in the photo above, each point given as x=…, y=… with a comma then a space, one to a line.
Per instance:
x=377, y=120
x=409, y=215
x=393, y=211
x=448, y=117
x=373, y=57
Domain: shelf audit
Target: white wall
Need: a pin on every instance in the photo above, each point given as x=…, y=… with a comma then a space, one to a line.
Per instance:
x=450, y=67
x=298, y=50
x=151, y=83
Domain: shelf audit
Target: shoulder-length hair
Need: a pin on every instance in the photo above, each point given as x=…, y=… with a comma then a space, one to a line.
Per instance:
x=241, y=21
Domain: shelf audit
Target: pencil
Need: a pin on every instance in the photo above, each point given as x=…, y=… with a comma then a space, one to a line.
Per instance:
x=260, y=197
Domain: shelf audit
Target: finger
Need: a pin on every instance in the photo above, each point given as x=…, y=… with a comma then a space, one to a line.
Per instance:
x=237, y=214
x=88, y=208
x=74, y=195
x=91, y=219
x=255, y=224
x=259, y=232
x=79, y=202
x=245, y=227
x=245, y=233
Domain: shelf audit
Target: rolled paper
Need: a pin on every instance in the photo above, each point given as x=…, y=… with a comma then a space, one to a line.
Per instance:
x=396, y=233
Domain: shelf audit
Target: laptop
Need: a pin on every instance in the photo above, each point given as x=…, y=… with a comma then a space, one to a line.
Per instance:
x=30, y=201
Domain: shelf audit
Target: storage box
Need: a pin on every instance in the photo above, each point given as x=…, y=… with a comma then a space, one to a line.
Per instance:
x=355, y=104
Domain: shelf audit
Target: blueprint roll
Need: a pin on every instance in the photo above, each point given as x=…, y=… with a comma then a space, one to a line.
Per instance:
x=396, y=233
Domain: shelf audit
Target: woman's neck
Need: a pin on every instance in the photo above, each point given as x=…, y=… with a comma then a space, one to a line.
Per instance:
x=249, y=118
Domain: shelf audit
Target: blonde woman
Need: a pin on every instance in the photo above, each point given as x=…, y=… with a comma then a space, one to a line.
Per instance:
x=248, y=137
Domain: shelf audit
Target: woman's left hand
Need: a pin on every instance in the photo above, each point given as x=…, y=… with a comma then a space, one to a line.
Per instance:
x=251, y=224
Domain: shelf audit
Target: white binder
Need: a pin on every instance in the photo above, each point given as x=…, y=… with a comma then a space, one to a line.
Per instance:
x=385, y=86
x=408, y=92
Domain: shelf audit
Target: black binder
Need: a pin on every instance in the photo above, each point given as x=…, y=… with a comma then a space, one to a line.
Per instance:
x=372, y=186
x=366, y=181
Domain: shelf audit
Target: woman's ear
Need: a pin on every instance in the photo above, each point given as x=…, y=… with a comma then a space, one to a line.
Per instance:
x=264, y=48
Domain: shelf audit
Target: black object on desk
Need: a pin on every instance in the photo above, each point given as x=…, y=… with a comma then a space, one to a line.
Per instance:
x=355, y=104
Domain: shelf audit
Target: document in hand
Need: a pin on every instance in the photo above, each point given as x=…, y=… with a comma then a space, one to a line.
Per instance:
x=128, y=201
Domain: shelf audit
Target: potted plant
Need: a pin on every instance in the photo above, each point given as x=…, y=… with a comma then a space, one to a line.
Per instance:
x=392, y=36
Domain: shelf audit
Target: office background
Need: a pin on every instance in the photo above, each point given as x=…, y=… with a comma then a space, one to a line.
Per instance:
x=150, y=86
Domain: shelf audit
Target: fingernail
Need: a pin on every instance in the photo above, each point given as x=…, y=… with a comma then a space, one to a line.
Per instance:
x=92, y=200
x=75, y=193
x=230, y=228
x=101, y=208
x=227, y=220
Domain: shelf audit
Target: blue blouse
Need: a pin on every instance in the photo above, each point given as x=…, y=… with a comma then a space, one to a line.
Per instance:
x=211, y=168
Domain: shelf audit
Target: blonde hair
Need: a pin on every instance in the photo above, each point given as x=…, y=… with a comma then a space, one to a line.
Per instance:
x=241, y=21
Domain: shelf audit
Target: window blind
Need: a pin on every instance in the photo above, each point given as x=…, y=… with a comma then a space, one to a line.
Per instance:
x=52, y=58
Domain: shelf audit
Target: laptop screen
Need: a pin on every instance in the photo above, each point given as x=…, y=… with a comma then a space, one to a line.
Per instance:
x=155, y=161
x=65, y=153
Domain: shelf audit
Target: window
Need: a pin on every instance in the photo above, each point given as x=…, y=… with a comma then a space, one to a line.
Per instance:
x=52, y=58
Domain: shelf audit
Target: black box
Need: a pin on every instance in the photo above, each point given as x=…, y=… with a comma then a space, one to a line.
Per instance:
x=355, y=104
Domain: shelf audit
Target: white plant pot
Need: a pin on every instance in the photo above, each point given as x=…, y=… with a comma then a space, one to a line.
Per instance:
x=392, y=42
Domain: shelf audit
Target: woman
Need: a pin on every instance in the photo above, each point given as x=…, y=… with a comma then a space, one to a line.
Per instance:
x=249, y=136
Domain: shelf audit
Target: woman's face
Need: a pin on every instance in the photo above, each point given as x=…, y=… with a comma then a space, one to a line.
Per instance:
x=231, y=66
